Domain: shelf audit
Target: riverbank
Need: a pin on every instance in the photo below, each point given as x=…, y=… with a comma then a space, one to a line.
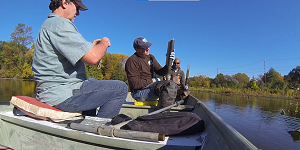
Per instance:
x=17, y=79
x=272, y=94
x=230, y=92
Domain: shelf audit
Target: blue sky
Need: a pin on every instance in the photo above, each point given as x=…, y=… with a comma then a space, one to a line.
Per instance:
x=213, y=36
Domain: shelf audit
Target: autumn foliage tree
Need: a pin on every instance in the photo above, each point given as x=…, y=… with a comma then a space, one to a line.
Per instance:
x=15, y=57
x=241, y=78
x=293, y=78
x=12, y=59
x=16, y=60
x=274, y=80
x=199, y=81
x=112, y=67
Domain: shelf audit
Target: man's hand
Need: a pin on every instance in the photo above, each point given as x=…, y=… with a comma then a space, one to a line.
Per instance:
x=106, y=41
x=96, y=41
x=155, y=79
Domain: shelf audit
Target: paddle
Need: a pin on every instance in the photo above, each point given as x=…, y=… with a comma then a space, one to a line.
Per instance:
x=168, y=59
x=110, y=131
x=187, y=74
x=118, y=126
x=115, y=131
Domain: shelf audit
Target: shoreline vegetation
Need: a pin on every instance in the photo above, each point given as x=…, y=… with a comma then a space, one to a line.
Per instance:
x=294, y=95
x=248, y=93
x=16, y=60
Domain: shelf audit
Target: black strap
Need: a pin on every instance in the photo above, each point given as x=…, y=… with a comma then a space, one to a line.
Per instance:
x=152, y=67
x=18, y=112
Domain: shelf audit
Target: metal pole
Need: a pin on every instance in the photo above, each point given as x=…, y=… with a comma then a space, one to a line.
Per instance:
x=265, y=71
x=118, y=126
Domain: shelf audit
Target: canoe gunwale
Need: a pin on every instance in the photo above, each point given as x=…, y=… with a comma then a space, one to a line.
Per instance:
x=234, y=139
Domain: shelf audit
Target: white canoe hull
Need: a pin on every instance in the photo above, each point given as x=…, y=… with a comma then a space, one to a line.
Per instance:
x=20, y=132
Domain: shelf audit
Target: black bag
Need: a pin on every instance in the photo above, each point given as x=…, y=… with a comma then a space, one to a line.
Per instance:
x=120, y=118
x=166, y=90
x=168, y=123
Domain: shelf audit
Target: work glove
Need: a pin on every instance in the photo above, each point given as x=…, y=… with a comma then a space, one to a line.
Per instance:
x=186, y=87
x=172, y=55
x=155, y=79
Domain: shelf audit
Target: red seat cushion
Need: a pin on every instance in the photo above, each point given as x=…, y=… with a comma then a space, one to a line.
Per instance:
x=36, y=109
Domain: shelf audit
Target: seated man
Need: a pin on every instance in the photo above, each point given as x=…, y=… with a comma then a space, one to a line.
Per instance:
x=177, y=75
x=58, y=65
x=140, y=68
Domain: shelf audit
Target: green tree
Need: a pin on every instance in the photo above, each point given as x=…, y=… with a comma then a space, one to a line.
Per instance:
x=252, y=84
x=275, y=80
x=241, y=78
x=260, y=81
x=1, y=42
x=93, y=71
x=231, y=82
x=12, y=59
x=112, y=67
x=194, y=82
x=119, y=71
x=22, y=35
x=220, y=81
x=293, y=78
x=26, y=70
x=199, y=81
x=15, y=57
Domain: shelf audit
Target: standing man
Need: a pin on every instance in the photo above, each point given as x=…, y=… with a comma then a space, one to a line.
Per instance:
x=59, y=71
x=140, y=68
x=177, y=75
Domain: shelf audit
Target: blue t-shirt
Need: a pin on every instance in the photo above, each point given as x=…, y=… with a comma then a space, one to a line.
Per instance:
x=57, y=65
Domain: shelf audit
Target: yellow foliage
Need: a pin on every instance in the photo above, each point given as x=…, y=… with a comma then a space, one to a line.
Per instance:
x=26, y=71
x=279, y=76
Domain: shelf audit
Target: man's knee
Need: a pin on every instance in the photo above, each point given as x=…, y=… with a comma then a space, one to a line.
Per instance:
x=124, y=85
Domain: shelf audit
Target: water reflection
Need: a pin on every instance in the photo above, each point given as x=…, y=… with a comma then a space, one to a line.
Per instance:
x=9, y=88
x=258, y=119
x=272, y=106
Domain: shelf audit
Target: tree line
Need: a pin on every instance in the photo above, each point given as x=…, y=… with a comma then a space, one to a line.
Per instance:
x=16, y=60
x=270, y=83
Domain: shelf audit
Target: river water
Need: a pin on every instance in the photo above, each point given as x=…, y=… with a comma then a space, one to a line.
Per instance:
x=258, y=119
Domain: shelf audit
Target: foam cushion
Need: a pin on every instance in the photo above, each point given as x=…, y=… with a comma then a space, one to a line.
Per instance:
x=36, y=109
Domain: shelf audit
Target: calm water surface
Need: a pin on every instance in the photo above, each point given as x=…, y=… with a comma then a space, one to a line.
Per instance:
x=258, y=119
x=10, y=88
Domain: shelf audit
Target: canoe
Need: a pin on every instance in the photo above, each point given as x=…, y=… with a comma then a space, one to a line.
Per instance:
x=21, y=132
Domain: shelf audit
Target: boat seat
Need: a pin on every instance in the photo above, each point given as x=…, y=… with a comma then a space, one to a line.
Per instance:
x=146, y=103
x=178, y=108
x=36, y=109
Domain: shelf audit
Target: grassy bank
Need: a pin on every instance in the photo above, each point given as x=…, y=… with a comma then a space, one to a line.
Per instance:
x=279, y=94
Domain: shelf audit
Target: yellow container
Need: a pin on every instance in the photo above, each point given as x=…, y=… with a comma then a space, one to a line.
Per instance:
x=146, y=103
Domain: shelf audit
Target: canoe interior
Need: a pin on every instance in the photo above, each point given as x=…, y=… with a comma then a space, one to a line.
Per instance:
x=21, y=132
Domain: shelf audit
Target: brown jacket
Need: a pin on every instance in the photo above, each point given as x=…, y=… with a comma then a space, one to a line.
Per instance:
x=140, y=70
x=178, y=77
